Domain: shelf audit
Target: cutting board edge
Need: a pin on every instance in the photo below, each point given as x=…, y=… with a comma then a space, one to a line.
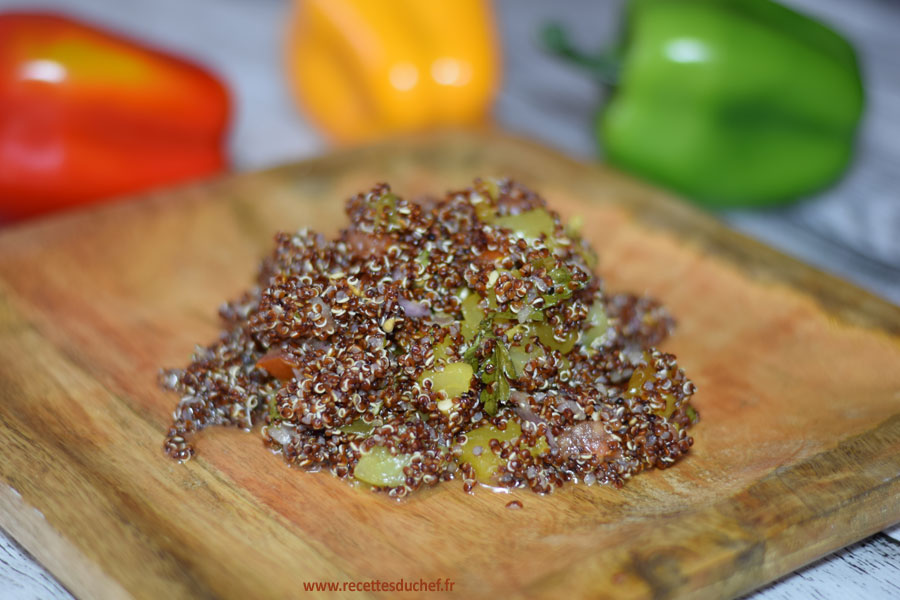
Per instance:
x=28, y=527
x=757, y=567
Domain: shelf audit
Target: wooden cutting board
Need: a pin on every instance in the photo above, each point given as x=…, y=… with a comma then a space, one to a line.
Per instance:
x=797, y=452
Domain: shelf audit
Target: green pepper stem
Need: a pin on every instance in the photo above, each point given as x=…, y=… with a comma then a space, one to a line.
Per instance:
x=603, y=65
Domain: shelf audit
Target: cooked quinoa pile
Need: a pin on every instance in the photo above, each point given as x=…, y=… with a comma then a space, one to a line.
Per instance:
x=463, y=337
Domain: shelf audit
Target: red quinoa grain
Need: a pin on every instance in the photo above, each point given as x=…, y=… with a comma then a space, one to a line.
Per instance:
x=339, y=350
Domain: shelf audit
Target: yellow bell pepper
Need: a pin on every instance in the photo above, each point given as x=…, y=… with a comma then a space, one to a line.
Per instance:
x=362, y=69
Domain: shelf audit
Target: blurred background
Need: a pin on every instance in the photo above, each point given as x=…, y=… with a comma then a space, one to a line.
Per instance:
x=787, y=127
x=851, y=227
x=846, y=222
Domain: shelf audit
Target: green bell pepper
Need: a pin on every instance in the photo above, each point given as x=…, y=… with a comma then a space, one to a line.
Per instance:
x=730, y=102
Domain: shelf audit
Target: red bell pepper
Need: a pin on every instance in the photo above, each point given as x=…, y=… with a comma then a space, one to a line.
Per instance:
x=86, y=115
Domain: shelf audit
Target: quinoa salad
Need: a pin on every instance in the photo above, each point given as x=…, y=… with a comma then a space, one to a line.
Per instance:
x=463, y=338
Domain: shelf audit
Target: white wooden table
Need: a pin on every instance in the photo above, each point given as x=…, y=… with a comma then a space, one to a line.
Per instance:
x=852, y=230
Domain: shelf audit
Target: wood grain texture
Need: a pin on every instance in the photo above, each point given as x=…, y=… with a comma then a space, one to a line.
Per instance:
x=864, y=571
x=797, y=453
